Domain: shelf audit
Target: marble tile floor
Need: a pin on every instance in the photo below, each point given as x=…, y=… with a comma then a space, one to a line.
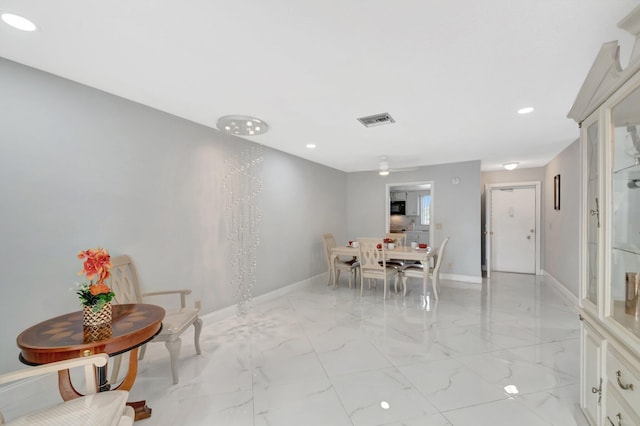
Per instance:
x=500, y=353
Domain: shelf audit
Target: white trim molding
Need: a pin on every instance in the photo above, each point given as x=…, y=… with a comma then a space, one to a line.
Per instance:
x=566, y=293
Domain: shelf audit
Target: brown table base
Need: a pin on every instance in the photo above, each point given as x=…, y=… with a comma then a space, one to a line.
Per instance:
x=141, y=409
x=68, y=392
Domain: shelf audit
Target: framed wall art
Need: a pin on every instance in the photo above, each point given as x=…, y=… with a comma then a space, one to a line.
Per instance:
x=556, y=192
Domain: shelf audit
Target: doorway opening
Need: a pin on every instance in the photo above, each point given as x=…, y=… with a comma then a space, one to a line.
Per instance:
x=419, y=210
x=512, y=227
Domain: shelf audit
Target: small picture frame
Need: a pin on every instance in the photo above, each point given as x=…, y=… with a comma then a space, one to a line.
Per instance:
x=556, y=192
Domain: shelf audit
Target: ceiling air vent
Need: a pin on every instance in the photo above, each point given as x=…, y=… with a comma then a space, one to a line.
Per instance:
x=376, y=120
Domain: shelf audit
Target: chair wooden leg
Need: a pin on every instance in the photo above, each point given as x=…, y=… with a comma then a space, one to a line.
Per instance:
x=384, y=289
x=434, y=284
x=174, y=353
x=197, y=325
x=143, y=349
x=424, y=285
x=115, y=369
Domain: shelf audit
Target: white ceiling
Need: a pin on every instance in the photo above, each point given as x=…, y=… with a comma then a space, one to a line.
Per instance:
x=451, y=73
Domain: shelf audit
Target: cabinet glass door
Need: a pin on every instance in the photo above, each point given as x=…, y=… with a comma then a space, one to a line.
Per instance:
x=625, y=213
x=593, y=213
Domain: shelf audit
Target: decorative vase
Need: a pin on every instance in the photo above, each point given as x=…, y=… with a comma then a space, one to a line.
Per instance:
x=92, y=319
x=632, y=297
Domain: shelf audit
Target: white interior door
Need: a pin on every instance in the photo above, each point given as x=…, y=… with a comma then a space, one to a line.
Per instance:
x=513, y=229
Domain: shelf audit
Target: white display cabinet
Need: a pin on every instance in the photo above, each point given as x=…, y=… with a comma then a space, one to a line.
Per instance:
x=608, y=111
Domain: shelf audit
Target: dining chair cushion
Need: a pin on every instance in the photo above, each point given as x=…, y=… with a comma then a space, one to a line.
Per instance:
x=100, y=409
x=177, y=321
x=93, y=409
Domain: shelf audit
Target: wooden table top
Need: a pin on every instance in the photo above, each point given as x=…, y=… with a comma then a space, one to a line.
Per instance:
x=65, y=337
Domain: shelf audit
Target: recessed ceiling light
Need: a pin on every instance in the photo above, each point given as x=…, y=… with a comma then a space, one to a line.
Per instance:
x=383, y=172
x=18, y=22
x=510, y=166
x=311, y=145
x=526, y=110
x=242, y=125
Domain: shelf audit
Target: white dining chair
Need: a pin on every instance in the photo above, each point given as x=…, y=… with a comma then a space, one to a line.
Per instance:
x=348, y=265
x=373, y=264
x=425, y=271
x=125, y=284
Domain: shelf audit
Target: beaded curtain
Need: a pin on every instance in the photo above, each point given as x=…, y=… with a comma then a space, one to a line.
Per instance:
x=242, y=186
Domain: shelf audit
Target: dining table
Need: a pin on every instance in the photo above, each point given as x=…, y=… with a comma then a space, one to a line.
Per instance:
x=396, y=253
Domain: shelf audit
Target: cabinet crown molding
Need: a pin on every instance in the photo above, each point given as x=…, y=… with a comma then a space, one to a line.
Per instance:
x=606, y=74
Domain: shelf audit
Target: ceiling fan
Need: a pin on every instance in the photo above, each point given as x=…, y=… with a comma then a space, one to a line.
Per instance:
x=384, y=169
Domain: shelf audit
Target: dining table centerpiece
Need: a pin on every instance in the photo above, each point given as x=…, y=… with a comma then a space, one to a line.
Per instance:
x=95, y=295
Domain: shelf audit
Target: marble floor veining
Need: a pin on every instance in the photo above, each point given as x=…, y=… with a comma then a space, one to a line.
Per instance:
x=318, y=356
x=500, y=353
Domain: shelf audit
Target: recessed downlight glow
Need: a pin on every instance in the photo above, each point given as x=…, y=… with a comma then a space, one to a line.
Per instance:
x=18, y=22
x=383, y=172
x=526, y=110
x=311, y=145
x=511, y=166
x=385, y=405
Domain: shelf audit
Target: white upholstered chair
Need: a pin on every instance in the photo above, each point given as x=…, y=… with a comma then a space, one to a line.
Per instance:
x=125, y=284
x=93, y=409
x=425, y=271
x=347, y=265
x=373, y=263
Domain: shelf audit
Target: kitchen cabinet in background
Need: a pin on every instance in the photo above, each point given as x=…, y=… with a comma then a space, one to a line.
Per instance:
x=412, y=204
x=398, y=196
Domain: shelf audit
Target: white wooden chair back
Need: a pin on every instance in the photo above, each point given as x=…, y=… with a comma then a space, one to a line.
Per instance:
x=124, y=280
x=125, y=284
x=372, y=259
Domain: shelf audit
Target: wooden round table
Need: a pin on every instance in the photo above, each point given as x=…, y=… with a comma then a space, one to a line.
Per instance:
x=66, y=337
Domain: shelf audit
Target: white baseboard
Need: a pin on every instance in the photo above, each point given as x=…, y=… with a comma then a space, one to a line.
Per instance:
x=463, y=278
x=571, y=298
x=231, y=311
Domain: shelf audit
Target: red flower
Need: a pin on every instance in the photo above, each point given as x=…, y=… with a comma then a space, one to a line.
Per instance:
x=97, y=263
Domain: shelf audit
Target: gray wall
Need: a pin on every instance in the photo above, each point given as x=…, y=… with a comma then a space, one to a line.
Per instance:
x=80, y=168
x=562, y=227
x=456, y=210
